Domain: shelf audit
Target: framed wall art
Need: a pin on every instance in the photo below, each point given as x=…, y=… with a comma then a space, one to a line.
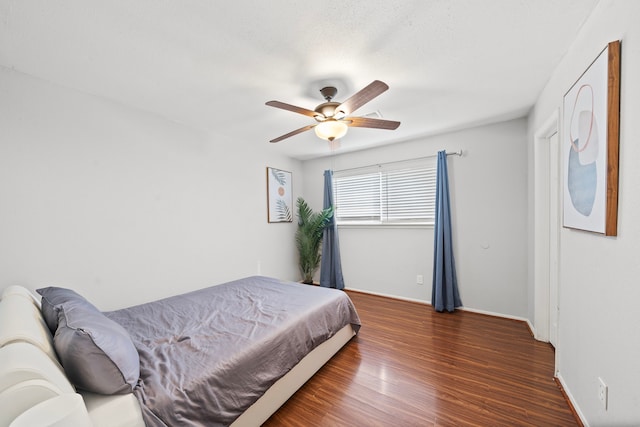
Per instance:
x=279, y=197
x=590, y=141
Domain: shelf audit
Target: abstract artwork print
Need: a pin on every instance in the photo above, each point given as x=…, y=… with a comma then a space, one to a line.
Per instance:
x=587, y=148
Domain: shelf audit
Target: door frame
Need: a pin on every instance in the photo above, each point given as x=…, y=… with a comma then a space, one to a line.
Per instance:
x=541, y=265
x=555, y=187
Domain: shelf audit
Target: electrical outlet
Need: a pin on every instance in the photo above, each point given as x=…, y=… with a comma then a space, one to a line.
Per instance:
x=603, y=393
x=420, y=279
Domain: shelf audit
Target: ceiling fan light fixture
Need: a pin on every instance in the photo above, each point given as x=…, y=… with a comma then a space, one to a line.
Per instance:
x=331, y=129
x=334, y=118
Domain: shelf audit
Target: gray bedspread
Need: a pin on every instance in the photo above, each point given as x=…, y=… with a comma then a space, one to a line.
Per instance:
x=207, y=355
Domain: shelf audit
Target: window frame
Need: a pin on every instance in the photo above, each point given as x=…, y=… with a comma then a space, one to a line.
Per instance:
x=426, y=167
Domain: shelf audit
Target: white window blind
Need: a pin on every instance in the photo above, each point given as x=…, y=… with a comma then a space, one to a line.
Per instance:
x=386, y=195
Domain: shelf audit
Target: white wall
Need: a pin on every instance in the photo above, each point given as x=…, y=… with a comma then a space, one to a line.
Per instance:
x=125, y=206
x=599, y=320
x=488, y=193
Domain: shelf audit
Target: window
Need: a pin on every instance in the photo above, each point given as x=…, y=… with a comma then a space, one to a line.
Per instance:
x=386, y=194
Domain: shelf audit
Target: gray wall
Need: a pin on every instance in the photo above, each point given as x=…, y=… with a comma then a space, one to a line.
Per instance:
x=125, y=206
x=599, y=332
x=488, y=186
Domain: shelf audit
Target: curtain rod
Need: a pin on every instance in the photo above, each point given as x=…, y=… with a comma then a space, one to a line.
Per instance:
x=454, y=153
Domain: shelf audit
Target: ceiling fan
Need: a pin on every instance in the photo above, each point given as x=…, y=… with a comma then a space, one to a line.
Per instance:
x=333, y=118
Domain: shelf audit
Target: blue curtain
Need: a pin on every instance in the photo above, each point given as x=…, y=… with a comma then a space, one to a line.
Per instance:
x=330, y=265
x=444, y=295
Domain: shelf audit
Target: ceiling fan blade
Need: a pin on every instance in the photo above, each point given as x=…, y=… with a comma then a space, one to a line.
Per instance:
x=366, y=122
x=292, y=133
x=293, y=108
x=357, y=100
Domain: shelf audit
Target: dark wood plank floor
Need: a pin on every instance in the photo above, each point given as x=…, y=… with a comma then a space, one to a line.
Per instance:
x=410, y=366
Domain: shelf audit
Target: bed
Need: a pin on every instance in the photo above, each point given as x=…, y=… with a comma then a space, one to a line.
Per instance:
x=229, y=354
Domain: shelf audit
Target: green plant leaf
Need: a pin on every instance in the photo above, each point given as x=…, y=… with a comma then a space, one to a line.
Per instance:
x=308, y=237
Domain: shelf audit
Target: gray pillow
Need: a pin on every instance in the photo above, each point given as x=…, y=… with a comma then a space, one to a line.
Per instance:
x=97, y=353
x=53, y=298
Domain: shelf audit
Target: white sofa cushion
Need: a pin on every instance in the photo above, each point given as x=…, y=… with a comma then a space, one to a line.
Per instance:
x=21, y=320
x=19, y=290
x=61, y=411
x=22, y=396
x=21, y=361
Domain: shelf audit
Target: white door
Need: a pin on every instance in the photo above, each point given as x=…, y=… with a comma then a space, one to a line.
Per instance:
x=554, y=235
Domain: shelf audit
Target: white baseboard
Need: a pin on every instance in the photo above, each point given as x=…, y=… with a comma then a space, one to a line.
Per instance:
x=493, y=313
x=389, y=296
x=531, y=328
x=425, y=302
x=567, y=393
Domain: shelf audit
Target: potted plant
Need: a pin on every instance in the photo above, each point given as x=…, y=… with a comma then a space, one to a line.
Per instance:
x=309, y=238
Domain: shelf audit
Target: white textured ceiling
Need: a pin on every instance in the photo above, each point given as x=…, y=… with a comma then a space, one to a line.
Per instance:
x=213, y=64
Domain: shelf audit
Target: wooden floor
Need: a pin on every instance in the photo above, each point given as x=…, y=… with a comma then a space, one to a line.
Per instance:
x=410, y=366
